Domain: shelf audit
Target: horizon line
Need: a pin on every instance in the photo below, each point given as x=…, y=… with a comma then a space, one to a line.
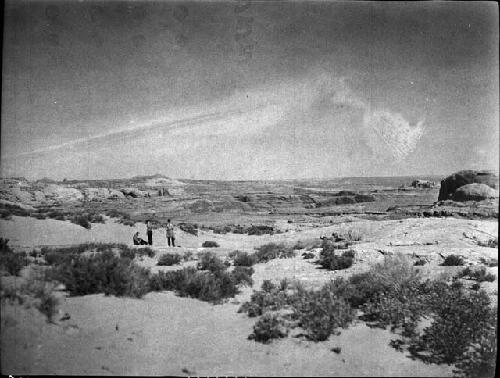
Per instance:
x=237, y=180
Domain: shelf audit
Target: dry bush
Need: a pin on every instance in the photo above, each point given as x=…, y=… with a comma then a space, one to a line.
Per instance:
x=169, y=259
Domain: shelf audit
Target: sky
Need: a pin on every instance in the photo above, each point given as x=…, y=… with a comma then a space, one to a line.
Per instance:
x=241, y=90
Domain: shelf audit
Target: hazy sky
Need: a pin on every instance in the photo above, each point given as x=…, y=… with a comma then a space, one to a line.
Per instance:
x=248, y=90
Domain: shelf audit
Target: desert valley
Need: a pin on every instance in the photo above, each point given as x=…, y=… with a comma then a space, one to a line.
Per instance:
x=258, y=246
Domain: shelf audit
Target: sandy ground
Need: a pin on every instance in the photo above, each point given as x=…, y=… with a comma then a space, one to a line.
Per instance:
x=163, y=334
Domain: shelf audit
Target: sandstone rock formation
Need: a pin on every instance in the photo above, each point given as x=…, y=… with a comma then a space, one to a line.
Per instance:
x=474, y=192
x=63, y=194
x=450, y=184
x=134, y=192
x=423, y=184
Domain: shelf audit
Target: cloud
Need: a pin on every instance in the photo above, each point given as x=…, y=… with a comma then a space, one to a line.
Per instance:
x=390, y=135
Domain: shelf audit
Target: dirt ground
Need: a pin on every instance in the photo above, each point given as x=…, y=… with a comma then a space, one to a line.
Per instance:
x=162, y=334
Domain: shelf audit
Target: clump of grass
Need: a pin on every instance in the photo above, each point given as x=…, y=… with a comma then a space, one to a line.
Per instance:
x=308, y=255
x=453, y=260
x=210, y=244
x=10, y=261
x=169, y=259
x=272, y=251
x=242, y=258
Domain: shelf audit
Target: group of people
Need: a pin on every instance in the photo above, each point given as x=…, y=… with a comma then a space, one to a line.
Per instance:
x=149, y=231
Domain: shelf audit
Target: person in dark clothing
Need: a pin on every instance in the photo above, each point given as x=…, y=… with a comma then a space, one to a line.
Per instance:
x=149, y=230
x=138, y=240
x=170, y=233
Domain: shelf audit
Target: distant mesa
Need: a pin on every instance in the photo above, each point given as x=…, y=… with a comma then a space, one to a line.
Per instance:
x=452, y=183
x=423, y=184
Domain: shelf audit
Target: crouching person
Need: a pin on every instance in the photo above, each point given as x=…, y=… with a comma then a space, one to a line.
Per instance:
x=138, y=240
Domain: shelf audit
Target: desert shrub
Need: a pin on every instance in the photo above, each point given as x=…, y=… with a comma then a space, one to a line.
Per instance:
x=190, y=228
x=243, y=275
x=353, y=235
x=308, y=255
x=210, y=261
x=127, y=253
x=11, y=261
x=188, y=255
x=480, y=275
x=128, y=222
x=169, y=259
x=169, y=280
x=460, y=318
x=269, y=298
x=103, y=273
x=480, y=359
x=268, y=327
x=210, y=244
x=48, y=305
x=260, y=230
x=242, y=258
x=299, y=245
x=206, y=286
x=10, y=294
x=420, y=262
x=453, y=260
x=489, y=262
x=40, y=284
x=55, y=257
x=319, y=313
x=56, y=214
x=490, y=243
x=81, y=220
x=272, y=251
x=220, y=229
x=364, y=198
x=329, y=260
x=394, y=274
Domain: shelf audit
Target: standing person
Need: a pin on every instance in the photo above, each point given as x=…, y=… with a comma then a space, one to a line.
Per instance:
x=149, y=230
x=170, y=233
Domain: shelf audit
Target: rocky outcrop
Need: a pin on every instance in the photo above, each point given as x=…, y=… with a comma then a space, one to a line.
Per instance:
x=98, y=194
x=134, y=192
x=423, y=184
x=474, y=192
x=450, y=184
x=63, y=194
